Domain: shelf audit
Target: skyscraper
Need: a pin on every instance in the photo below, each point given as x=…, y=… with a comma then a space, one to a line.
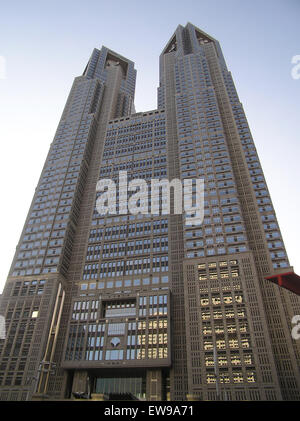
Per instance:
x=145, y=304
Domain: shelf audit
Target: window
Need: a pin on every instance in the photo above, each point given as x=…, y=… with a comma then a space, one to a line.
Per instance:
x=115, y=354
x=119, y=308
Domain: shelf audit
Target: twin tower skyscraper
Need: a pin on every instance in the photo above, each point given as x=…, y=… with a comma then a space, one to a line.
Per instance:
x=143, y=304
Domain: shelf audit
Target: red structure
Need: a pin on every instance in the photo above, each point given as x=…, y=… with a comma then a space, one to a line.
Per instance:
x=288, y=280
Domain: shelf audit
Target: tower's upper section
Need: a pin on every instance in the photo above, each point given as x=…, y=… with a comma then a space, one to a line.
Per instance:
x=100, y=62
x=185, y=40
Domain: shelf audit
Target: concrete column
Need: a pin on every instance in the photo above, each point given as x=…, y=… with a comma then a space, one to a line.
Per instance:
x=80, y=382
x=154, y=385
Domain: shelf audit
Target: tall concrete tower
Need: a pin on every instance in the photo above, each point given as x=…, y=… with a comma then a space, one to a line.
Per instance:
x=144, y=304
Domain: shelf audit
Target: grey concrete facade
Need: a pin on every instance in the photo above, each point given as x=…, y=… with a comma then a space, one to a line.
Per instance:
x=144, y=304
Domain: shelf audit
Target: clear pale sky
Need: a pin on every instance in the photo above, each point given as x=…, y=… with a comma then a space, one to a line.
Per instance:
x=46, y=44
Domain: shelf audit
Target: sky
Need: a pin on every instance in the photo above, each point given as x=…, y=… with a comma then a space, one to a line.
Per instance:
x=45, y=44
